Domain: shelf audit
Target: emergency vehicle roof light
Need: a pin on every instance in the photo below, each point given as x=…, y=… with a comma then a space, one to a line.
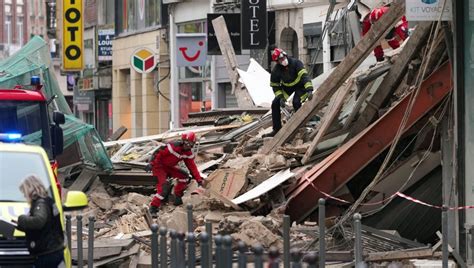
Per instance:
x=35, y=80
x=10, y=137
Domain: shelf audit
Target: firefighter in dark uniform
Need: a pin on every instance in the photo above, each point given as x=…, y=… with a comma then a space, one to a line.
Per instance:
x=288, y=76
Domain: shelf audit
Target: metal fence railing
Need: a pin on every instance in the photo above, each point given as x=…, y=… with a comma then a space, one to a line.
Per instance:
x=170, y=248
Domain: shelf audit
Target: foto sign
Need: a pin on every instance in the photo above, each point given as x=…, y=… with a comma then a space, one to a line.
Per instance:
x=428, y=10
x=73, y=46
x=254, y=24
x=191, y=49
x=104, y=48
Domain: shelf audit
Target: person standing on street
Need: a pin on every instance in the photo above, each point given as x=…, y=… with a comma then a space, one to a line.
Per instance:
x=163, y=165
x=287, y=77
x=42, y=226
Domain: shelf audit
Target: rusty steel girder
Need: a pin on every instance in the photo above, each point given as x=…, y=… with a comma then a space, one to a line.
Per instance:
x=339, y=167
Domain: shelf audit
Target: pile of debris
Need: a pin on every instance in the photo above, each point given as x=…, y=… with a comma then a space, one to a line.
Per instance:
x=367, y=135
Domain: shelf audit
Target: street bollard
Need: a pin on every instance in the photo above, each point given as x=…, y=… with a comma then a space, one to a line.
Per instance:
x=258, y=251
x=191, y=239
x=322, y=232
x=68, y=231
x=286, y=241
x=274, y=255
x=358, y=239
x=296, y=256
x=154, y=245
x=80, y=261
x=90, y=239
x=445, y=239
x=209, y=233
x=163, y=249
x=205, y=260
x=227, y=246
x=242, y=255
x=189, y=208
x=181, y=250
x=218, y=240
x=174, y=248
x=311, y=259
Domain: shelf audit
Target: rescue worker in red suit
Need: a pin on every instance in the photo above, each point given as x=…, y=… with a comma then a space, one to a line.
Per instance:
x=400, y=30
x=164, y=164
x=287, y=77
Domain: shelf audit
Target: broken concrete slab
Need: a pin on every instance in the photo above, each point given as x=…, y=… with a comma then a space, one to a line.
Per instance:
x=102, y=200
x=254, y=232
x=138, y=199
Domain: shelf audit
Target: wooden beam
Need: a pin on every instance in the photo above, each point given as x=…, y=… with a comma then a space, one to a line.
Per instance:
x=355, y=57
x=399, y=255
x=393, y=78
x=243, y=97
x=333, y=110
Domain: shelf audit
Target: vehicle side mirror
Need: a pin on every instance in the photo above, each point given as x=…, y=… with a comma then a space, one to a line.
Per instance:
x=75, y=200
x=58, y=118
x=57, y=139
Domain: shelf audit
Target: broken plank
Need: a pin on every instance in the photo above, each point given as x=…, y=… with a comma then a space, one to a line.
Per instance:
x=99, y=253
x=333, y=109
x=225, y=44
x=104, y=243
x=84, y=180
x=224, y=199
x=355, y=57
x=264, y=187
x=399, y=255
x=393, y=77
x=133, y=251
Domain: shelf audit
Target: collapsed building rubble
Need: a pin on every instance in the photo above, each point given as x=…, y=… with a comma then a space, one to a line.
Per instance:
x=361, y=140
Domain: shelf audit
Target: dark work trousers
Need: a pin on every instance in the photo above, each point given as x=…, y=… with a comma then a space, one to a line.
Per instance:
x=276, y=110
x=49, y=260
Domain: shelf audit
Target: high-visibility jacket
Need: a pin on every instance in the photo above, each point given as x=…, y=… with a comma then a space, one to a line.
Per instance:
x=171, y=154
x=286, y=79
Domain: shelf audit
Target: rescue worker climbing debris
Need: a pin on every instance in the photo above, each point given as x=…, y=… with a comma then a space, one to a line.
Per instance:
x=163, y=165
x=288, y=76
x=400, y=30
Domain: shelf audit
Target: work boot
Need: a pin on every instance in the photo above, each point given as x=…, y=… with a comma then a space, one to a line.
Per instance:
x=154, y=211
x=271, y=134
x=166, y=192
x=178, y=201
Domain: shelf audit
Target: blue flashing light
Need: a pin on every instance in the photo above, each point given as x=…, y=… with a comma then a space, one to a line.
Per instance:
x=35, y=80
x=8, y=137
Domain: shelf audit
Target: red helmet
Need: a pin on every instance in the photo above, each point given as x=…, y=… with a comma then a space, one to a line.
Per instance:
x=189, y=136
x=277, y=54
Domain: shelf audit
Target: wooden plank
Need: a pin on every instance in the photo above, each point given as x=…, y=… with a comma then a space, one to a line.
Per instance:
x=333, y=110
x=393, y=77
x=133, y=251
x=84, y=180
x=99, y=253
x=355, y=57
x=110, y=242
x=400, y=255
x=117, y=133
x=228, y=53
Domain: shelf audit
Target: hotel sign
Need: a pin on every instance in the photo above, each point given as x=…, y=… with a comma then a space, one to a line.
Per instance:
x=254, y=24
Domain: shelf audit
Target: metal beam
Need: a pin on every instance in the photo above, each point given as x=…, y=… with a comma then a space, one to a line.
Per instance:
x=353, y=156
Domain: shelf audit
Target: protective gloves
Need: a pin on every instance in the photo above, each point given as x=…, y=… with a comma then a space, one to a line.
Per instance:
x=282, y=102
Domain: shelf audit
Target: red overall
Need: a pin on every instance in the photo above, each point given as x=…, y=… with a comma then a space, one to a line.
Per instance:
x=400, y=29
x=164, y=166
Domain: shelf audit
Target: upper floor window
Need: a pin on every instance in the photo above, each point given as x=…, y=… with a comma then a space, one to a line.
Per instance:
x=132, y=15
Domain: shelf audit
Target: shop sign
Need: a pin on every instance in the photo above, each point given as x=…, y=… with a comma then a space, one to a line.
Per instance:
x=428, y=10
x=73, y=46
x=104, y=38
x=192, y=49
x=254, y=24
x=143, y=60
x=232, y=20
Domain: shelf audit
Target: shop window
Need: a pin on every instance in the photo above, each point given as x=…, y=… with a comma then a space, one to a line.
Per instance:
x=135, y=16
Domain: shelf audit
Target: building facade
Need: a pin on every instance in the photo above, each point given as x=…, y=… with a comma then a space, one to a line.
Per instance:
x=14, y=31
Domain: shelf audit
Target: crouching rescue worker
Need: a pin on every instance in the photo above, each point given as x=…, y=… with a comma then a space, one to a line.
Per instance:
x=163, y=165
x=288, y=76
